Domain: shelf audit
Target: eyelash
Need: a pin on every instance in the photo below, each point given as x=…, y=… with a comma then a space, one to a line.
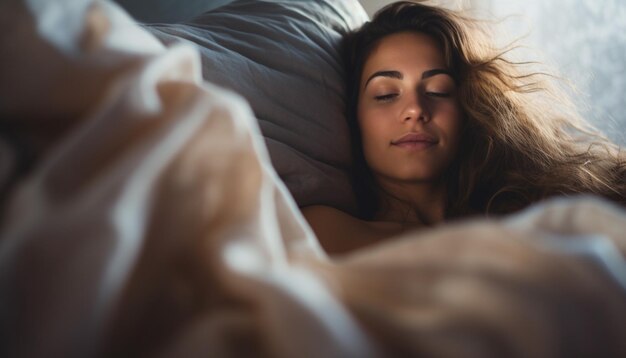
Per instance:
x=389, y=97
x=438, y=94
x=386, y=97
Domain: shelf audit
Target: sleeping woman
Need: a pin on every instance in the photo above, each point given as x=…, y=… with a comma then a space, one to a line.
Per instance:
x=444, y=126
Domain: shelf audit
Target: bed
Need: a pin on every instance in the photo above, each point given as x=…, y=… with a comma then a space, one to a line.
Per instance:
x=163, y=219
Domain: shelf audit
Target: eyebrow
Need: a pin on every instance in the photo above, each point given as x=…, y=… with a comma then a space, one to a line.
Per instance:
x=398, y=75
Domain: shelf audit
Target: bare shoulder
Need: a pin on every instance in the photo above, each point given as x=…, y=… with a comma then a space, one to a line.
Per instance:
x=337, y=231
x=323, y=213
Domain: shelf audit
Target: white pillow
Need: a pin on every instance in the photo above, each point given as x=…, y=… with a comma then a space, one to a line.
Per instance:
x=284, y=58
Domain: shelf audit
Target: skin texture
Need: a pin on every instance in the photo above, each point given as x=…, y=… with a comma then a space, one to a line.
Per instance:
x=390, y=107
x=392, y=103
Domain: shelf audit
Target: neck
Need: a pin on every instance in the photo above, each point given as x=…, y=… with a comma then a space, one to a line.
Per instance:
x=411, y=202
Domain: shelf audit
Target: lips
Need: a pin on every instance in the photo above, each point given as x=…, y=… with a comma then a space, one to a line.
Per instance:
x=415, y=138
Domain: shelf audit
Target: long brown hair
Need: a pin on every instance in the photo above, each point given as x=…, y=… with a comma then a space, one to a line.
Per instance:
x=521, y=140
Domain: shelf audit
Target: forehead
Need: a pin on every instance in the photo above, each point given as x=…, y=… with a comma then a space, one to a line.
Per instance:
x=404, y=51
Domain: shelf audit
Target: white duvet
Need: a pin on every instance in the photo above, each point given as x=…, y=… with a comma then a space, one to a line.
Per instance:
x=157, y=226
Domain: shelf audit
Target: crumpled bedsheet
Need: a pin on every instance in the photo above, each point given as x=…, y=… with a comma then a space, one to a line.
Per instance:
x=157, y=226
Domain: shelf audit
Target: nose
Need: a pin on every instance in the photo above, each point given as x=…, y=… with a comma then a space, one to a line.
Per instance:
x=415, y=109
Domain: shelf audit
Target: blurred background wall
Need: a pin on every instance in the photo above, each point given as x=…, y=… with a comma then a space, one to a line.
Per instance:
x=585, y=40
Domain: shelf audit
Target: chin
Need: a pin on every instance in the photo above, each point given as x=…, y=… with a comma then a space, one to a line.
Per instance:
x=410, y=173
x=417, y=176
x=417, y=172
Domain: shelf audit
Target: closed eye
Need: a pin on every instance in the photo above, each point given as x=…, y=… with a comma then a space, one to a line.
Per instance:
x=438, y=94
x=386, y=97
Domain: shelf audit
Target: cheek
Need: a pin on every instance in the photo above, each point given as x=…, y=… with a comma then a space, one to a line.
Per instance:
x=371, y=137
x=451, y=123
x=374, y=128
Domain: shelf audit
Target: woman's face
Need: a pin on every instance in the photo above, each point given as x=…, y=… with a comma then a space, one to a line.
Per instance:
x=408, y=111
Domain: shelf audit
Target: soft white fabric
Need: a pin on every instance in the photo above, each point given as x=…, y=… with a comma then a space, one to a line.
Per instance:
x=77, y=226
x=158, y=226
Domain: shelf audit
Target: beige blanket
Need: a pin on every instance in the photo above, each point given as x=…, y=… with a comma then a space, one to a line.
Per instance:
x=155, y=225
